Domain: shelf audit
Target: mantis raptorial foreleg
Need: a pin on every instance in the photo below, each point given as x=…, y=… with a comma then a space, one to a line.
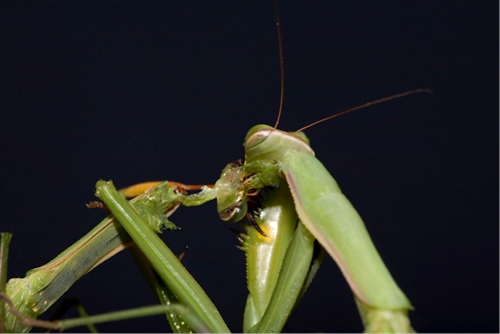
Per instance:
x=278, y=255
x=265, y=253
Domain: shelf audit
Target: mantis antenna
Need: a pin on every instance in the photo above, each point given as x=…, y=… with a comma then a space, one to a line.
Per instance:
x=277, y=13
x=282, y=92
x=392, y=97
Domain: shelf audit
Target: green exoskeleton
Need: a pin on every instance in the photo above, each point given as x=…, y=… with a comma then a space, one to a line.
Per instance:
x=285, y=160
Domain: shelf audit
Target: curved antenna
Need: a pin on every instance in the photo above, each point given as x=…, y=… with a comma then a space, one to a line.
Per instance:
x=392, y=97
x=277, y=13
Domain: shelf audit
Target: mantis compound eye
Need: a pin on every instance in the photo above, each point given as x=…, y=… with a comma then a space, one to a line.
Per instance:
x=235, y=212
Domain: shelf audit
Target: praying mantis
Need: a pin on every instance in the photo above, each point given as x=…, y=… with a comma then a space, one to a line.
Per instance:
x=274, y=182
x=382, y=305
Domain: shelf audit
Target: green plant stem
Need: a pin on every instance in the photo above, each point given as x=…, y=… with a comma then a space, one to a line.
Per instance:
x=4, y=257
x=119, y=315
x=164, y=262
x=160, y=290
x=106, y=317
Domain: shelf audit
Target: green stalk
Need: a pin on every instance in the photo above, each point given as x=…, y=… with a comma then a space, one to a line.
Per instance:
x=67, y=303
x=122, y=315
x=4, y=257
x=107, y=317
x=161, y=291
x=165, y=263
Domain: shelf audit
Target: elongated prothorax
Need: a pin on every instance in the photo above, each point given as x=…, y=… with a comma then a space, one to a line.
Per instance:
x=326, y=213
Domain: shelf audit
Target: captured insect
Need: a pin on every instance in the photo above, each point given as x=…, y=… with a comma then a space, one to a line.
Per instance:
x=297, y=215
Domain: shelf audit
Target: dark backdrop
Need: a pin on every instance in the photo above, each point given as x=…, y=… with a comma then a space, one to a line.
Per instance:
x=134, y=91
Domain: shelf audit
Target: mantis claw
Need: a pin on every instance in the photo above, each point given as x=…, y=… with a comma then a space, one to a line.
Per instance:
x=254, y=224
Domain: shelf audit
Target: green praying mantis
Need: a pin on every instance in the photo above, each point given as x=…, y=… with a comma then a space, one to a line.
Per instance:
x=297, y=212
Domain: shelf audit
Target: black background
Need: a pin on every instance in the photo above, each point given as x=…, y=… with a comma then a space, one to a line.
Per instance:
x=134, y=91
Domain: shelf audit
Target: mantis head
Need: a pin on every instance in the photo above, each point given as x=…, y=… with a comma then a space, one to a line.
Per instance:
x=265, y=147
x=265, y=143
